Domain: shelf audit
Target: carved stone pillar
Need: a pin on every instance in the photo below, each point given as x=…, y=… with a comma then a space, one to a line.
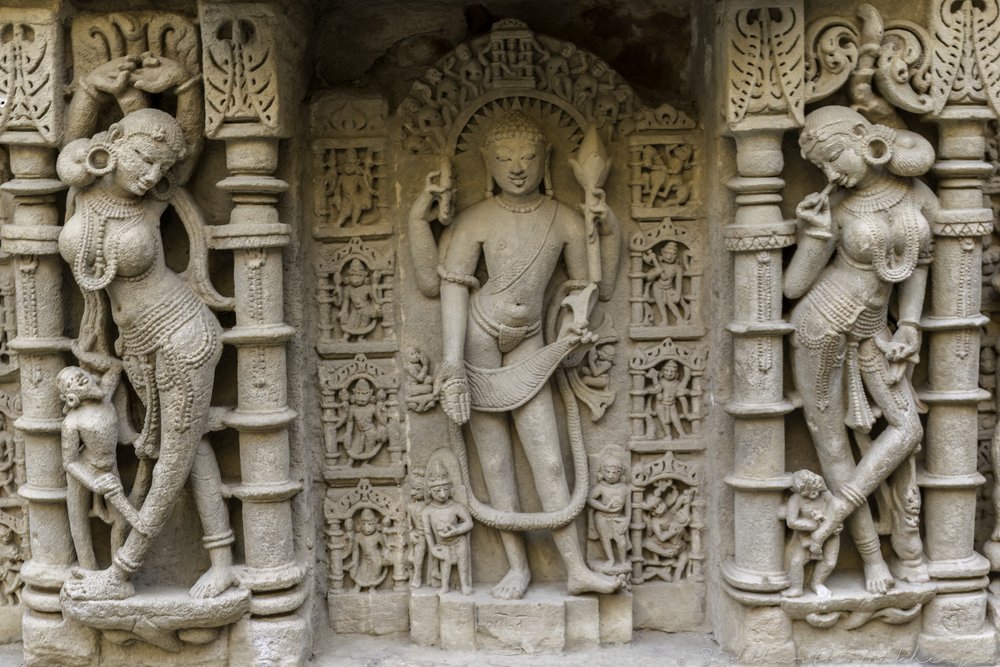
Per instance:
x=31, y=129
x=764, y=99
x=244, y=107
x=954, y=625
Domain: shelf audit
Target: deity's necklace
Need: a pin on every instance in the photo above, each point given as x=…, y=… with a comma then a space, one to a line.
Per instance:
x=528, y=208
x=96, y=210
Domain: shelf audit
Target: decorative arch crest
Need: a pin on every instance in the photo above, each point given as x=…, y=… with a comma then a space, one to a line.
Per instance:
x=563, y=87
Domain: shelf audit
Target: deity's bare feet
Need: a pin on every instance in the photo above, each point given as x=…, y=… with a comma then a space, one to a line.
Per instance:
x=512, y=586
x=213, y=583
x=822, y=592
x=109, y=584
x=878, y=579
x=792, y=592
x=584, y=580
x=416, y=582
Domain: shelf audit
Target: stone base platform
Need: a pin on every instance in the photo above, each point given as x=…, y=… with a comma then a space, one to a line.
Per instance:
x=370, y=613
x=545, y=621
x=168, y=619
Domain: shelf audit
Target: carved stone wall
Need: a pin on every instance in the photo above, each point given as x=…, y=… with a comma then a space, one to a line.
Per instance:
x=512, y=327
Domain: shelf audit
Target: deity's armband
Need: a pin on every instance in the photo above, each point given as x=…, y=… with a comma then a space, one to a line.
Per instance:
x=458, y=278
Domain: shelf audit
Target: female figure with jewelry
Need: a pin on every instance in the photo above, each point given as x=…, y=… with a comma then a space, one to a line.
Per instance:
x=121, y=181
x=872, y=219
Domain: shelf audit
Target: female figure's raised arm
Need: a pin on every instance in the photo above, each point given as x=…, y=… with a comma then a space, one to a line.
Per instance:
x=816, y=243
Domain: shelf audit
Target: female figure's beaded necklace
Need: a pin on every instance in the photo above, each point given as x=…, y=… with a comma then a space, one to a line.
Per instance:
x=97, y=209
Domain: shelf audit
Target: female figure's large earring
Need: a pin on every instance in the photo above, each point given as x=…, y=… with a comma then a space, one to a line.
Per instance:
x=99, y=160
x=875, y=149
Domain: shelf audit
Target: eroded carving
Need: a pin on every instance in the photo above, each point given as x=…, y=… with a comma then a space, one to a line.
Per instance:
x=421, y=395
x=663, y=175
x=610, y=511
x=360, y=423
x=355, y=299
x=446, y=523
x=365, y=536
x=667, y=520
x=350, y=187
x=241, y=82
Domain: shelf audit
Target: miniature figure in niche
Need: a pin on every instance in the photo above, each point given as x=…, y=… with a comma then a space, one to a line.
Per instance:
x=669, y=399
x=610, y=505
x=666, y=284
x=446, y=525
x=367, y=424
x=415, y=522
x=667, y=540
x=359, y=309
x=367, y=566
x=354, y=190
x=804, y=511
x=875, y=228
x=123, y=179
x=495, y=329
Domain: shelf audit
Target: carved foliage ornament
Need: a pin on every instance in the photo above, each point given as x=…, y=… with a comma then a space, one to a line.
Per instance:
x=241, y=83
x=767, y=63
x=27, y=90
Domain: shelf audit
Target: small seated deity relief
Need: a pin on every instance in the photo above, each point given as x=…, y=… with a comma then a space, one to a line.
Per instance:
x=420, y=394
x=804, y=511
x=348, y=184
x=359, y=419
x=667, y=396
x=446, y=527
x=591, y=379
x=365, y=537
x=665, y=275
x=610, y=511
x=355, y=301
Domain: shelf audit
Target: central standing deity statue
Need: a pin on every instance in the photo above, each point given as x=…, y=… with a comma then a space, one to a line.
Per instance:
x=504, y=342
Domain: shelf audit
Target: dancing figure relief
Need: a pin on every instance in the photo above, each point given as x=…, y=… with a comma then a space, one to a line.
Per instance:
x=121, y=180
x=864, y=240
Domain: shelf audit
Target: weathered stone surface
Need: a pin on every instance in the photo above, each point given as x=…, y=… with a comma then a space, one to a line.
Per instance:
x=514, y=327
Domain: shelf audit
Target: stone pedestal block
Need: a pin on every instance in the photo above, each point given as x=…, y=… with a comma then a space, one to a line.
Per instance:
x=457, y=614
x=425, y=622
x=669, y=607
x=54, y=640
x=616, y=618
x=545, y=621
x=375, y=613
